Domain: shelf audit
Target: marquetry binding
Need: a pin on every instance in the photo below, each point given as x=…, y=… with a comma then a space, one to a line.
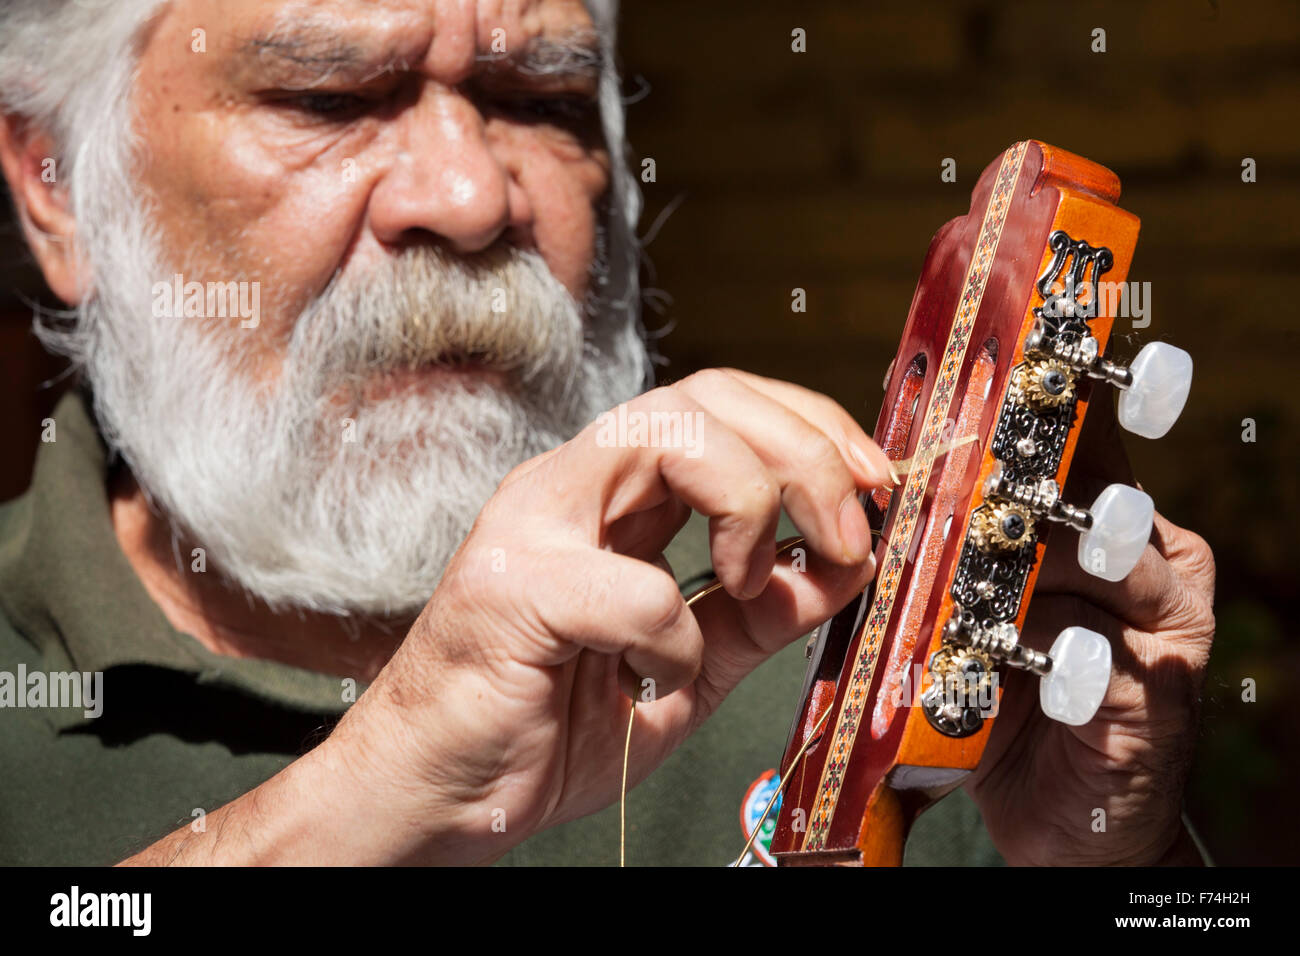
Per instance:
x=1054, y=189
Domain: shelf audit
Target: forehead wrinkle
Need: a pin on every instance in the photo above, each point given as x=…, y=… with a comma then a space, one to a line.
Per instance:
x=308, y=50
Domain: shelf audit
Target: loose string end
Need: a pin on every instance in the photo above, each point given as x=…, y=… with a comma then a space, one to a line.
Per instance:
x=622, y=795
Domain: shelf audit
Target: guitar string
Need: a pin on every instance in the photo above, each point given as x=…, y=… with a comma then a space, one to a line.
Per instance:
x=784, y=779
x=896, y=468
x=631, y=716
x=622, y=794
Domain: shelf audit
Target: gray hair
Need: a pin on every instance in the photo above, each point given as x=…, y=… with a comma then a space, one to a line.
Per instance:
x=68, y=67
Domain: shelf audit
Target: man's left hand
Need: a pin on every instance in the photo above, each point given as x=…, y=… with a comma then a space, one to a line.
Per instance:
x=1109, y=792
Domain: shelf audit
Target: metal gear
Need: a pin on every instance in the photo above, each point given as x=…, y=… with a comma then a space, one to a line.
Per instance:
x=1045, y=383
x=1001, y=527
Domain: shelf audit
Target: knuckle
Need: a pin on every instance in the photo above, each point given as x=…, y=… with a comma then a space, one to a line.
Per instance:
x=514, y=474
x=705, y=382
x=1199, y=556
x=708, y=379
x=759, y=496
x=674, y=397
x=661, y=603
x=1190, y=616
x=827, y=406
x=1199, y=623
x=734, y=376
x=817, y=452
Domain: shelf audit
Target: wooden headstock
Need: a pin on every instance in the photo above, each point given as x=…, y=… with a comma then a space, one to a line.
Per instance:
x=1006, y=334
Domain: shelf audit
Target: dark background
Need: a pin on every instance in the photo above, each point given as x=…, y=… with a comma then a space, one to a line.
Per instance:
x=821, y=170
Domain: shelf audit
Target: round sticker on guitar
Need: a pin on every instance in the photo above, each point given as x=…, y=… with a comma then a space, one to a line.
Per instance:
x=751, y=810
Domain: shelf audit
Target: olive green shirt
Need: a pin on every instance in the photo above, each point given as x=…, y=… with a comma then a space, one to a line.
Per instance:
x=182, y=731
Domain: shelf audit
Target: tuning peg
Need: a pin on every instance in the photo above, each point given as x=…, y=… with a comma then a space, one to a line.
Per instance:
x=1154, y=386
x=1075, y=672
x=1161, y=377
x=1073, y=688
x=1117, y=532
x=1113, y=532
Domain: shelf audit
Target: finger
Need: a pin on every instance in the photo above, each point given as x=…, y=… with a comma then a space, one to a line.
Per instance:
x=1153, y=597
x=870, y=462
x=626, y=607
x=602, y=476
x=645, y=534
x=818, y=488
x=1159, y=594
x=1188, y=554
x=804, y=591
x=1151, y=677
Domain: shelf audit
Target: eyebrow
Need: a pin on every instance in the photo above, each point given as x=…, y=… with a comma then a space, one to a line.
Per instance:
x=310, y=54
x=576, y=55
x=315, y=54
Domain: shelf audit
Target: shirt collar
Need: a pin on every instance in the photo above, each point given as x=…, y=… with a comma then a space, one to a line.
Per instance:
x=67, y=587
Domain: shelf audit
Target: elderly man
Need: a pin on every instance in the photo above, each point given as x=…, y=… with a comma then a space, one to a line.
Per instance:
x=350, y=281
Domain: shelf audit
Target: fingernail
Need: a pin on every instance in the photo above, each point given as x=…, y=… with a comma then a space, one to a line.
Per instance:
x=871, y=566
x=855, y=533
x=877, y=470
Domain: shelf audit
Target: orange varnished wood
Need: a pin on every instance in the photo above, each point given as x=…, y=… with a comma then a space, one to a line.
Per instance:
x=893, y=820
x=872, y=816
x=1080, y=215
x=1076, y=176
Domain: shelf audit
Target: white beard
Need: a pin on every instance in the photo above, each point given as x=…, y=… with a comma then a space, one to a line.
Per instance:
x=262, y=477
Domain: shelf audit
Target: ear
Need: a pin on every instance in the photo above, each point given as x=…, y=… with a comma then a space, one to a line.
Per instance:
x=30, y=164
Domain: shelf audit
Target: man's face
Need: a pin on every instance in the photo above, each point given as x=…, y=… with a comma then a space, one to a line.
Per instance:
x=417, y=190
x=285, y=141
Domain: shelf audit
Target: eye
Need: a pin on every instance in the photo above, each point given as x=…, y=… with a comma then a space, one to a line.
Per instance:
x=333, y=106
x=560, y=110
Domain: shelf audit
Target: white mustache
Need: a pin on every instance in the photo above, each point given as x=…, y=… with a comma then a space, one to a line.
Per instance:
x=502, y=309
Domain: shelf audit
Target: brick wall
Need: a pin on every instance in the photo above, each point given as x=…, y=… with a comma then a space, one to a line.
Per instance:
x=821, y=170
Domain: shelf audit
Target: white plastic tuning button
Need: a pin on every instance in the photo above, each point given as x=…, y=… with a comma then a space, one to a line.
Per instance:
x=1162, y=377
x=1120, y=529
x=1073, y=689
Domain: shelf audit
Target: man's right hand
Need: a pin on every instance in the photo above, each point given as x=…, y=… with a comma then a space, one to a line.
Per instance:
x=504, y=711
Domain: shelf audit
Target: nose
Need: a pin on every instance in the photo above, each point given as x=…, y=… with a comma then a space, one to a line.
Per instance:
x=444, y=178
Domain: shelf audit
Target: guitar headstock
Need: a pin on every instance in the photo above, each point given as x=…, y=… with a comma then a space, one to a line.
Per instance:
x=1005, y=341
